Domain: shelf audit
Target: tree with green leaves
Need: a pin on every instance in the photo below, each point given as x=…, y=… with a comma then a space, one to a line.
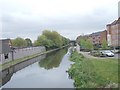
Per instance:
x=19, y=42
x=54, y=36
x=43, y=41
x=104, y=44
x=85, y=43
x=51, y=39
x=29, y=42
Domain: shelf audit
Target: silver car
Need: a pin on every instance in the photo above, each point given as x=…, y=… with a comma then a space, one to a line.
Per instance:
x=108, y=53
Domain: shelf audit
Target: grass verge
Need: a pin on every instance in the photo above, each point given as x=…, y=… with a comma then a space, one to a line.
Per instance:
x=93, y=73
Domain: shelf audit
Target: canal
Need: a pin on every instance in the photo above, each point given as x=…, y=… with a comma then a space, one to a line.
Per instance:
x=46, y=71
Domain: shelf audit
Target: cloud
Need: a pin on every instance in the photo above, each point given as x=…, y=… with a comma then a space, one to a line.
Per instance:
x=27, y=18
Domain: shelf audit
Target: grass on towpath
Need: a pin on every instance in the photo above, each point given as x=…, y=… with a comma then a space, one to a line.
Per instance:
x=93, y=73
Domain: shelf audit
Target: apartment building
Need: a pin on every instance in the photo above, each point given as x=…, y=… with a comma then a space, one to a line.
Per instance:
x=113, y=33
x=96, y=38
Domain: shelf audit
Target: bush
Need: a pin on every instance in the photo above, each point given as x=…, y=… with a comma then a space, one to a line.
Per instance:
x=76, y=56
x=97, y=54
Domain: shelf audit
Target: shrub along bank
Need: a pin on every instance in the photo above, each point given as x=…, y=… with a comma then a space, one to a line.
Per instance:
x=91, y=73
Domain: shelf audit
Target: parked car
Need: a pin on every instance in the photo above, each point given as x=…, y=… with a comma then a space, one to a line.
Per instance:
x=108, y=53
x=102, y=54
x=97, y=53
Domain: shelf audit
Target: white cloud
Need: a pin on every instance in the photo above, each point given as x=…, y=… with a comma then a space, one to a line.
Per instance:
x=65, y=16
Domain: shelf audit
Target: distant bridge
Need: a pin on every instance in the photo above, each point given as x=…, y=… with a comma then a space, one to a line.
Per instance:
x=73, y=42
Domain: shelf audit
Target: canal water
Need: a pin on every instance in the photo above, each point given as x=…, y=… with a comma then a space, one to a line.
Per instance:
x=46, y=71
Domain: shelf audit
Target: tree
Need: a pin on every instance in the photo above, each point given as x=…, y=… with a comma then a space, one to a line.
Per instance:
x=43, y=41
x=19, y=42
x=36, y=43
x=29, y=42
x=53, y=36
x=89, y=44
x=51, y=39
x=85, y=43
x=104, y=44
x=57, y=39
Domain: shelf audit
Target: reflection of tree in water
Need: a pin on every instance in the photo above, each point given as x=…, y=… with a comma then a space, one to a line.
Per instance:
x=53, y=59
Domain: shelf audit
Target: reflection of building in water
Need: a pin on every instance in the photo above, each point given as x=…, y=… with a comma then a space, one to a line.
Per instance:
x=6, y=74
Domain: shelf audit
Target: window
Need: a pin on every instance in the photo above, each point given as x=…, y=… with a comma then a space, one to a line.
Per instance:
x=6, y=56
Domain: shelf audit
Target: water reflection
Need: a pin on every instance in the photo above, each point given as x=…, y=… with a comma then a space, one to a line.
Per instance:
x=53, y=59
x=6, y=74
x=52, y=74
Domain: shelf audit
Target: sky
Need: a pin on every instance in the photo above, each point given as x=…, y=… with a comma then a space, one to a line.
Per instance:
x=70, y=18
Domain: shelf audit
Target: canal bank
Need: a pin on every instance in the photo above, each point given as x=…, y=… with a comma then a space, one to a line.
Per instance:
x=17, y=61
x=93, y=73
x=49, y=72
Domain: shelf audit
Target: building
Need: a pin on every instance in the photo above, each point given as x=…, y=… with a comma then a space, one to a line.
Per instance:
x=8, y=53
x=5, y=48
x=113, y=33
x=96, y=38
x=82, y=37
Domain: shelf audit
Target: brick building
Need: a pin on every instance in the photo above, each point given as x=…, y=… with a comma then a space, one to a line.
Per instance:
x=96, y=38
x=81, y=37
x=113, y=33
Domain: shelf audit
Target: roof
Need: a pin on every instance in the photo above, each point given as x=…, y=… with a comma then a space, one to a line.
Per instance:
x=4, y=39
x=118, y=21
x=108, y=24
x=115, y=22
